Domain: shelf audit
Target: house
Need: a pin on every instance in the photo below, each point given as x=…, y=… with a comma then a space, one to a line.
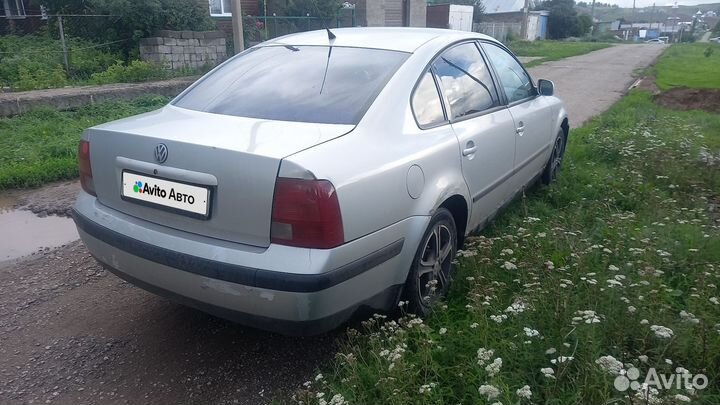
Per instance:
x=390, y=13
x=221, y=12
x=603, y=27
x=368, y=13
x=510, y=13
x=14, y=16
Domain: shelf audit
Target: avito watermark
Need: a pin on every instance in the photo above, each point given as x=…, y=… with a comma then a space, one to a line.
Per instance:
x=681, y=379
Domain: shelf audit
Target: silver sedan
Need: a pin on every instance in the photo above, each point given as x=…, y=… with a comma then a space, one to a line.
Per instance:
x=319, y=174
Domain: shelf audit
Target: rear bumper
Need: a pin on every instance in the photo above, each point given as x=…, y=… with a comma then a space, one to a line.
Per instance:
x=280, y=288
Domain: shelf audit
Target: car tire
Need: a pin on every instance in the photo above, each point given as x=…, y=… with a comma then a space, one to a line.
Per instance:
x=556, y=157
x=432, y=268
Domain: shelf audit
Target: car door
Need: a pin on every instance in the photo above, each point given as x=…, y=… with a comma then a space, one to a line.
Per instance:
x=483, y=126
x=530, y=112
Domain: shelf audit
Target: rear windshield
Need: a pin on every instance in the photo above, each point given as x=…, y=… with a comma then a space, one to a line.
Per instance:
x=331, y=85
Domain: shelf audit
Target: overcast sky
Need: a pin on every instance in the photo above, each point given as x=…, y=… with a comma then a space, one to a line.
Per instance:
x=644, y=3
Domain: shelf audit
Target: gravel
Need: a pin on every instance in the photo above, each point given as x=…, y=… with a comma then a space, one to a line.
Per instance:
x=71, y=333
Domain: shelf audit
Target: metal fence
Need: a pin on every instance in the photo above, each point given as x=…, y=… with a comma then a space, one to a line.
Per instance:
x=261, y=28
x=500, y=31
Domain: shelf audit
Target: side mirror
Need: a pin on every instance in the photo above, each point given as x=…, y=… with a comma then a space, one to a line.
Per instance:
x=546, y=87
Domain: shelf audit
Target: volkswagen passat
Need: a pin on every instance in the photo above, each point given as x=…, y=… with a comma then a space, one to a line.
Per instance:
x=319, y=173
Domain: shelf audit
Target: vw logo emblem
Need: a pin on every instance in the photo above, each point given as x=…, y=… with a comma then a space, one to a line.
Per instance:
x=161, y=152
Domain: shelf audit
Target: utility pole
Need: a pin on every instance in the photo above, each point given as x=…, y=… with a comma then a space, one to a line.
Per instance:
x=524, y=25
x=237, y=23
x=654, y=17
x=592, y=19
x=632, y=22
x=64, y=45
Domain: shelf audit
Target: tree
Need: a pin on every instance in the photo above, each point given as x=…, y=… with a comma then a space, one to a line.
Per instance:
x=584, y=24
x=130, y=19
x=563, y=19
x=316, y=8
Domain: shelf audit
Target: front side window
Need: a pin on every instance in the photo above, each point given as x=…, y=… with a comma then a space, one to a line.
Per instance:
x=466, y=80
x=320, y=84
x=220, y=7
x=426, y=102
x=515, y=81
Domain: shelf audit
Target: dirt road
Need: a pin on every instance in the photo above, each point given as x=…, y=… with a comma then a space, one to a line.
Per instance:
x=589, y=84
x=70, y=333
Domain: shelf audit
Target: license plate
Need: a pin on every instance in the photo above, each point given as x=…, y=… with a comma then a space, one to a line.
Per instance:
x=171, y=194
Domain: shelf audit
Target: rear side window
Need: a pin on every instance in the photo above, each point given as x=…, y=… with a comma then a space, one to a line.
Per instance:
x=515, y=81
x=426, y=103
x=331, y=85
x=466, y=80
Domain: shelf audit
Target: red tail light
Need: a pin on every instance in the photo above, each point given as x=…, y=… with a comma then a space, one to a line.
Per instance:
x=306, y=213
x=86, y=180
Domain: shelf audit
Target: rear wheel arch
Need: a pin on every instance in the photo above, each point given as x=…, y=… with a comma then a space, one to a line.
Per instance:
x=565, y=125
x=458, y=207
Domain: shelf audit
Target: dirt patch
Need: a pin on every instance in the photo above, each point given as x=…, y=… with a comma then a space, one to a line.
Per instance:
x=690, y=99
x=54, y=199
x=648, y=84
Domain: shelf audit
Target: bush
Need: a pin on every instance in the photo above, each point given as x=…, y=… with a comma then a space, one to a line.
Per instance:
x=36, y=61
x=40, y=146
x=133, y=19
x=136, y=71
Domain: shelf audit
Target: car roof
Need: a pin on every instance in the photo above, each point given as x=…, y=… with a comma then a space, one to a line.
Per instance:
x=402, y=39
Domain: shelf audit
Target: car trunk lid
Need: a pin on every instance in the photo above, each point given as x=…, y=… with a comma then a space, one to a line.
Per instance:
x=236, y=158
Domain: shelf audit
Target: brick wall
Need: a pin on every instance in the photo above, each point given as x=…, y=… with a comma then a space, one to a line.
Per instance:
x=184, y=49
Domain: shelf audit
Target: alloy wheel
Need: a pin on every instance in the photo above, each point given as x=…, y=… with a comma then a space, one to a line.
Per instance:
x=435, y=263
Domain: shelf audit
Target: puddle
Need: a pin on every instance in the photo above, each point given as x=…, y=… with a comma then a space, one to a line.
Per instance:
x=23, y=233
x=7, y=202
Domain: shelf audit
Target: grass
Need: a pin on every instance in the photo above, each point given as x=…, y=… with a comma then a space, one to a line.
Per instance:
x=686, y=65
x=553, y=50
x=41, y=146
x=614, y=266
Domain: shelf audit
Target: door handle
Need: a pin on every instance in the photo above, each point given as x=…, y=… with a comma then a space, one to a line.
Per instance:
x=521, y=128
x=470, y=148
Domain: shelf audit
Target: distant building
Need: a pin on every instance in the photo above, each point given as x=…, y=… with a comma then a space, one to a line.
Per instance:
x=15, y=16
x=450, y=16
x=511, y=12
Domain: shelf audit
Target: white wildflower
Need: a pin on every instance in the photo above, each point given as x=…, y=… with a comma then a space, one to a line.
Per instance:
x=337, y=399
x=531, y=332
x=484, y=355
x=562, y=359
x=661, y=331
x=524, y=392
x=681, y=398
x=498, y=318
x=489, y=391
x=548, y=373
x=517, y=307
x=688, y=317
x=610, y=365
x=494, y=367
